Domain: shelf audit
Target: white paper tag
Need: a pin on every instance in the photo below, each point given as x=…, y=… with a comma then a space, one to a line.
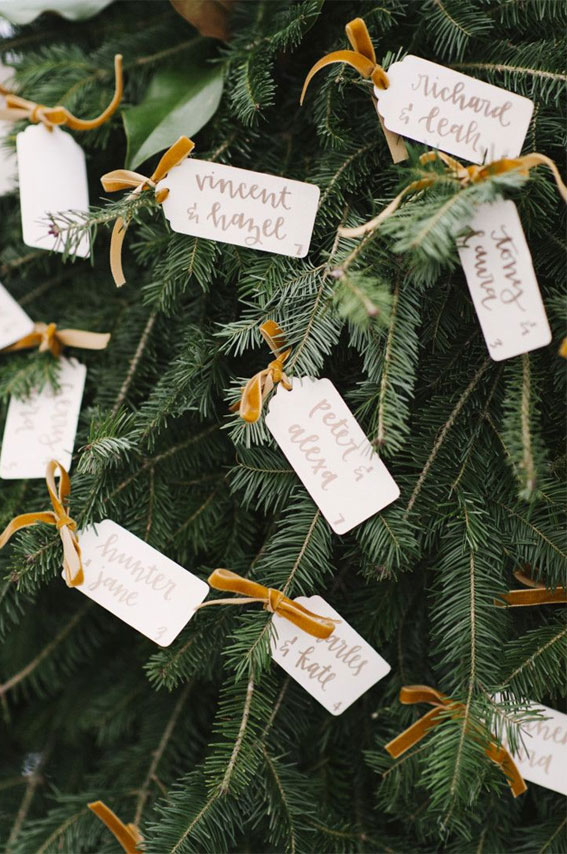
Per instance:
x=43, y=427
x=543, y=758
x=337, y=670
x=136, y=583
x=327, y=448
x=53, y=177
x=242, y=207
x=502, y=281
x=14, y=322
x=453, y=112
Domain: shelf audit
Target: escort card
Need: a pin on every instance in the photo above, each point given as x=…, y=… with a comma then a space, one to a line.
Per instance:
x=53, y=177
x=238, y=206
x=543, y=758
x=14, y=322
x=43, y=426
x=453, y=112
x=330, y=453
x=336, y=670
x=136, y=583
x=502, y=281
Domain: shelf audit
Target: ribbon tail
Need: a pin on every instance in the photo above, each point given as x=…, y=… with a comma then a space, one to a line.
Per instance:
x=82, y=339
x=88, y=124
x=363, y=65
x=313, y=624
x=502, y=758
x=360, y=230
x=252, y=397
x=25, y=521
x=116, y=242
x=533, y=596
x=413, y=734
x=127, y=835
x=72, y=564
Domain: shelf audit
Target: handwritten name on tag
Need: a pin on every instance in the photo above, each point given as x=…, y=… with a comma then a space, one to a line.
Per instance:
x=43, y=426
x=502, y=281
x=330, y=453
x=337, y=670
x=14, y=322
x=453, y=112
x=53, y=177
x=543, y=757
x=138, y=584
x=242, y=207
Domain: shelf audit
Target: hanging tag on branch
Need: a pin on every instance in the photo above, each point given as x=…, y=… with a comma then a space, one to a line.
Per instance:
x=43, y=425
x=52, y=171
x=542, y=756
x=14, y=322
x=453, y=112
x=241, y=207
x=500, y=274
x=335, y=670
x=435, y=105
x=321, y=439
x=138, y=584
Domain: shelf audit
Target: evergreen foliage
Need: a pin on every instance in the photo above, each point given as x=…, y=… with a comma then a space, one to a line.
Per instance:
x=206, y=744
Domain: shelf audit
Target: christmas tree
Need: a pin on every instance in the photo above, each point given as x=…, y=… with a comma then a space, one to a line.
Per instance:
x=206, y=745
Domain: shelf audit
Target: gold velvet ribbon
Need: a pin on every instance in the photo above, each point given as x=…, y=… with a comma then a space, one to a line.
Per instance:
x=410, y=694
x=46, y=336
x=273, y=601
x=127, y=835
x=466, y=175
x=535, y=594
x=19, y=108
x=59, y=517
x=258, y=388
x=563, y=349
x=123, y=179
x=362, y=57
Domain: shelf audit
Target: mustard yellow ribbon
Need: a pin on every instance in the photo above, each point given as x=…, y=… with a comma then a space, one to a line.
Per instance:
x=362, y=57
x=534, y=594
x=46, y=336
x=123, y=179
x=273, y=601
x=563, y=349
x=59, y=517
x=127, y=835
x=410, y=694
x=465, y=175
x=19, y=108
x=258, y=388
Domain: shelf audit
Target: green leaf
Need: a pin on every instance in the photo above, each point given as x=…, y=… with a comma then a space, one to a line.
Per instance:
x=177, y=102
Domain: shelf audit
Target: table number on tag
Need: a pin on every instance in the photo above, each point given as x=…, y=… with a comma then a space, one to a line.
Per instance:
x=502, y=281
x=330, y=453
x=43, y=426
x=53, y=177
x=543, y=757
x=14, y=322
x=336, y=670
x=453, y=112
x=136, y=583
x=242, y=207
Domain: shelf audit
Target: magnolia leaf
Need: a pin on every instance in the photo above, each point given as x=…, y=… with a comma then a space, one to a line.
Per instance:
x=178, y=102
x=25, y=11
x=209, y=17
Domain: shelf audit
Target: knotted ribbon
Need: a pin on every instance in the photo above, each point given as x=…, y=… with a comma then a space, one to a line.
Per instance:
x=19, y=108
x=258, y=388
x=46, y=336
x=122, y=179
x=363, y=59
x=60, y=518
x=465, y=175
x=273, y=601
x=127, y=835
x=535, y=594
x=442, y=704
